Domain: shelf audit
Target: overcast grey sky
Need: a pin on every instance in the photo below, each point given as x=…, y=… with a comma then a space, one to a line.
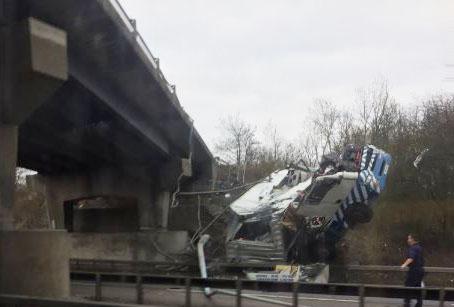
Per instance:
x=270, y=59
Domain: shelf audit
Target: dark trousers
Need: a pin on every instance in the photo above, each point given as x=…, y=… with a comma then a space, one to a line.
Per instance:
x=414, y=279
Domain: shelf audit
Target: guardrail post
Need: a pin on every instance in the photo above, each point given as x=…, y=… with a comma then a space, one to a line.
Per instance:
x=441, y=297
x=295, y=293
x=188, y=292
x=123, y=278
x=361, y=296
x=98, y=289
x=139, y=289
x=238, y=293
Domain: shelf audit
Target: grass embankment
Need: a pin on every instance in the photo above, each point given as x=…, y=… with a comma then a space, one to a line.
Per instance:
x=383, y=240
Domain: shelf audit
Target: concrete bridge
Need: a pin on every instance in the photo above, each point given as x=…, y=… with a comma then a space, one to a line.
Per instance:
x=85, y=104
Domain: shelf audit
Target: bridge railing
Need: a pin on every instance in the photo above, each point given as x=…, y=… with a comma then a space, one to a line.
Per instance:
x=130, y=24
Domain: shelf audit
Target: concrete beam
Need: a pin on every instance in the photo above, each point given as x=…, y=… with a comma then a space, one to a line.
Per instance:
x=35, y=65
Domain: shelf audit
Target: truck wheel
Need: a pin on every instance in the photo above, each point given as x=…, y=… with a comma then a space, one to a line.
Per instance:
x=358, y=214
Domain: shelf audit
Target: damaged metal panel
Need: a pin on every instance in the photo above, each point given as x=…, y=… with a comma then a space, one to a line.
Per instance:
x=283, y=216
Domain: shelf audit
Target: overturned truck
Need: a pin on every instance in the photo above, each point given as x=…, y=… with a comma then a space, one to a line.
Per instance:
x=298, y=214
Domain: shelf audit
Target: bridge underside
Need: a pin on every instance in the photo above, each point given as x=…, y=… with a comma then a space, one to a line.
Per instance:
x=114, y=109
x=83, y=103
x=75, y=131
x=83, y=96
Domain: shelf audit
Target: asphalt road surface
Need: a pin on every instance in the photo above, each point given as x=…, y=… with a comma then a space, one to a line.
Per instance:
x=156, y=295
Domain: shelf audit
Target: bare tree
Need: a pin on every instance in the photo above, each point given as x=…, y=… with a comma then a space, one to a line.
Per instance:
x=384, y=115
x=377, y=112
x=250, y=150
x=273, y=143
x=290, y=153
x=237, y=145
x=364, y=111
x=346, y=130
x=325, y=120
x=321, y=131
x=310, y=149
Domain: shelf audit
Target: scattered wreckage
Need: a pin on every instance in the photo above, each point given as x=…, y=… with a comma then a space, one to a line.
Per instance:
x=298, y=214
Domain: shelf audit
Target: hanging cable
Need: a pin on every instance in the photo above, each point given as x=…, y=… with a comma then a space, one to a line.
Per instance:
x=175, y=202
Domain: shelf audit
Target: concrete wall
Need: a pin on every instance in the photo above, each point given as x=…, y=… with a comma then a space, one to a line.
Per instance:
x=58, y=189
x=34, y=263
x=105, y=220
x=141, y=246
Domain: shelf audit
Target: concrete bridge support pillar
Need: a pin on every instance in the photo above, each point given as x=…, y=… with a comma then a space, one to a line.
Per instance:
x=34, y=262
x=33, y=64
x=31, y=262
x=8, y=161
x=163, y=201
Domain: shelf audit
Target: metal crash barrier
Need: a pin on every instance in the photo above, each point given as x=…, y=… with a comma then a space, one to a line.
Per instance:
x=239, y=285
x=147, y=272
x=361, y=291
x=102, y=265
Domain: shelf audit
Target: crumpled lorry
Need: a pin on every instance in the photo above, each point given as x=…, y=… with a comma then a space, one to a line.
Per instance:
x=298, y=214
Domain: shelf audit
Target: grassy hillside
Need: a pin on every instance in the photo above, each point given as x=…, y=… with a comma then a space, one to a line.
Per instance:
x=383, y=240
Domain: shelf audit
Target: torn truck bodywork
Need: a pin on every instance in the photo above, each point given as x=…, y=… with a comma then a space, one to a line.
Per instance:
x=298, y=214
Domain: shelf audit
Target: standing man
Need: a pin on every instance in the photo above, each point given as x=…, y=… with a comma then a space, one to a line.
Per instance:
x=415, y=264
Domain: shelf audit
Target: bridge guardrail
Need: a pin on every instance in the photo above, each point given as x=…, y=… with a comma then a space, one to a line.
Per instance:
x=130, y=24
x=388, y=268
x=360, y=290
x=96, y=263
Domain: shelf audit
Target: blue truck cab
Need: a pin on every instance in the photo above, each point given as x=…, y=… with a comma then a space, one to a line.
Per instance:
x=357, y=206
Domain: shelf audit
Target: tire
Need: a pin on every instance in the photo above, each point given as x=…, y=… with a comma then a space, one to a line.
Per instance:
x=358, y=214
